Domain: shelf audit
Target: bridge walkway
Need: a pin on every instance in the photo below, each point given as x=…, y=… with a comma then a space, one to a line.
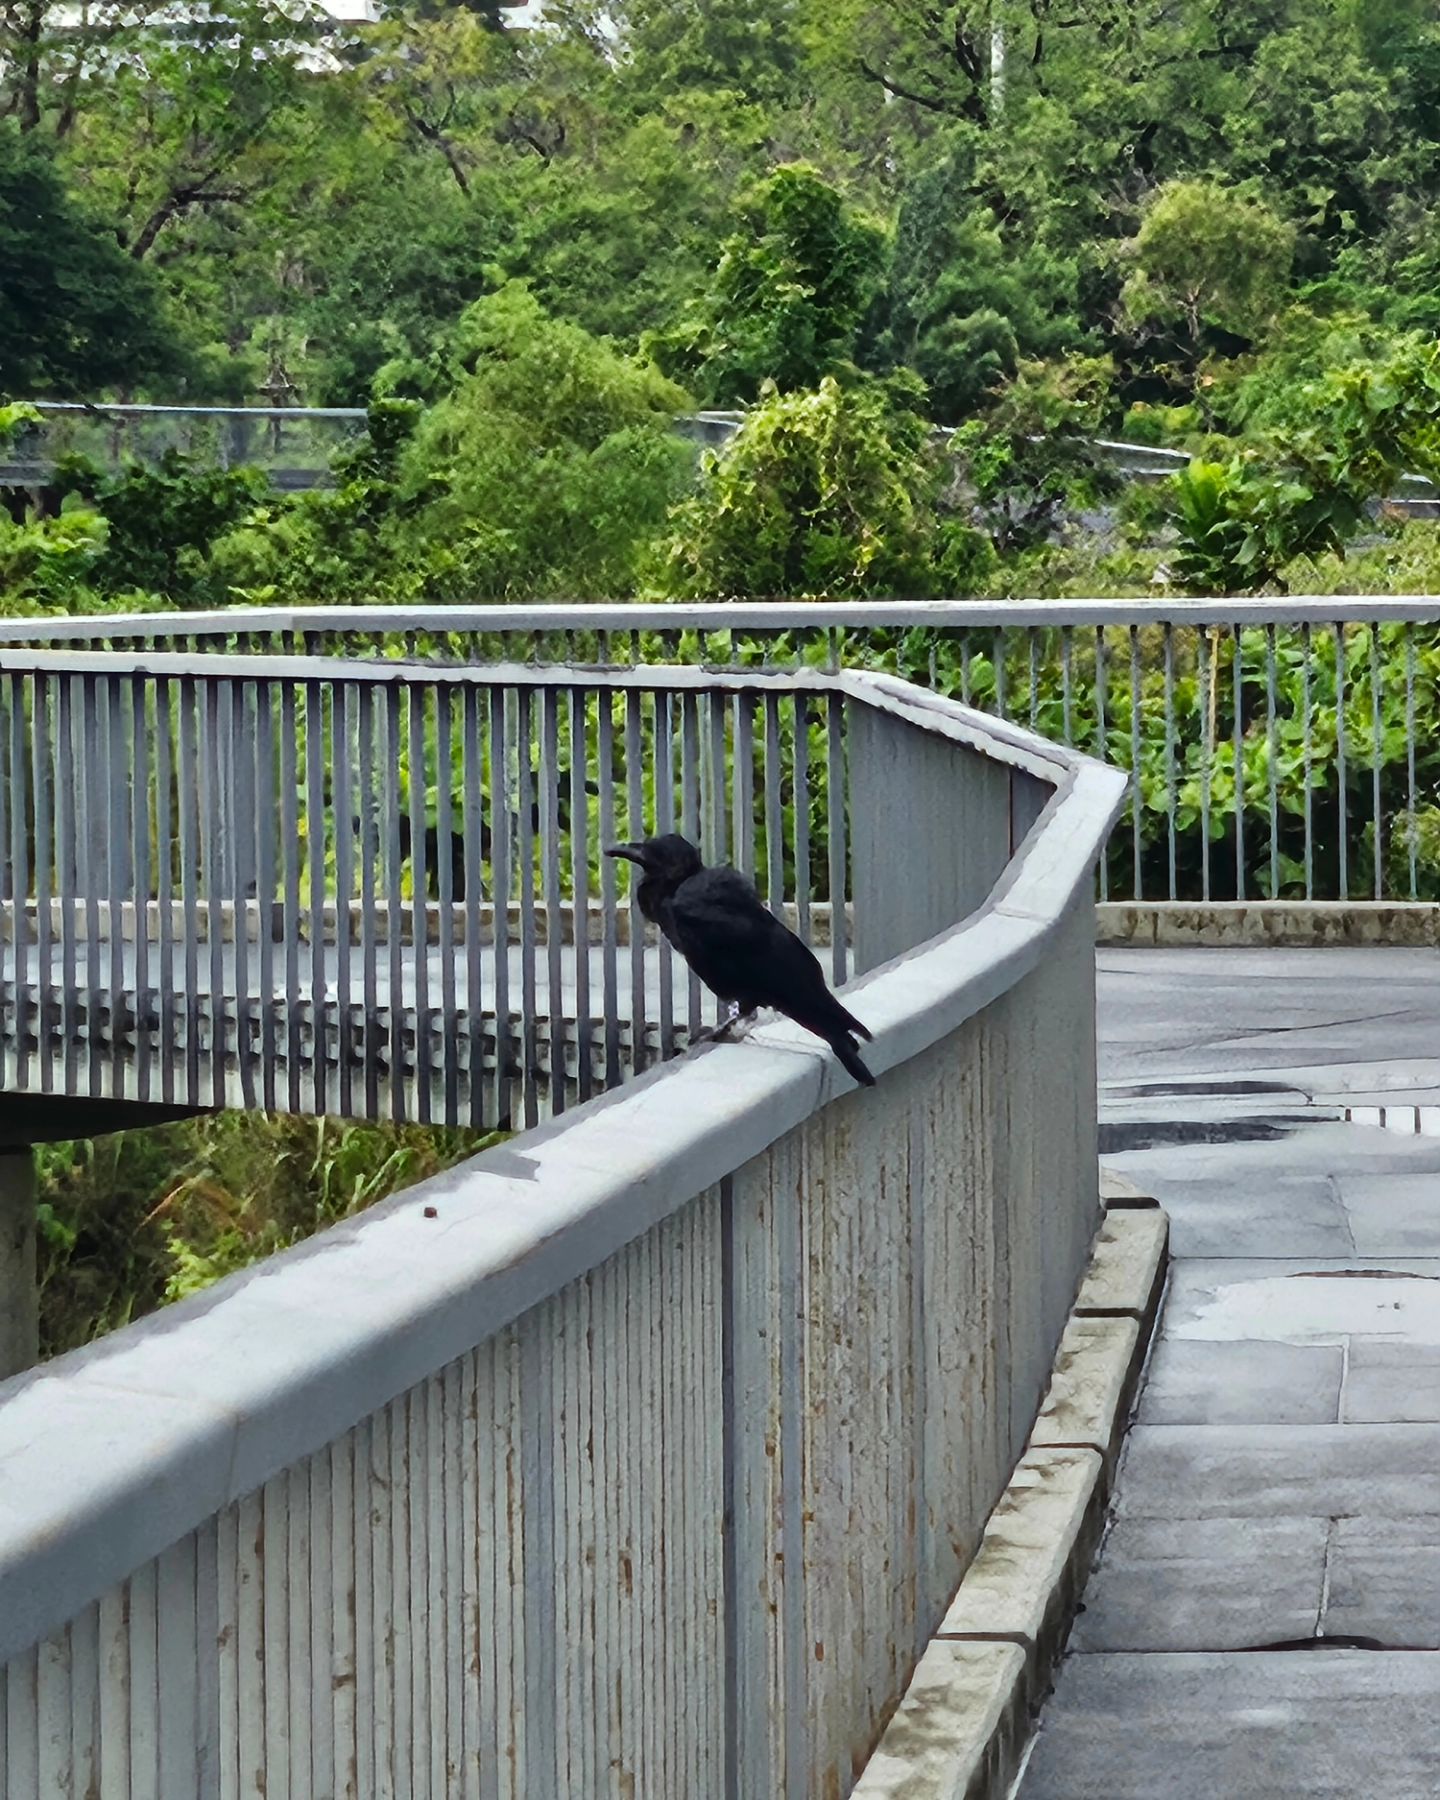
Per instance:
x=1264, y=1619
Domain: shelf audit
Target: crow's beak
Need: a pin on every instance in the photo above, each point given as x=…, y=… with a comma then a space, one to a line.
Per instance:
x=634, y=853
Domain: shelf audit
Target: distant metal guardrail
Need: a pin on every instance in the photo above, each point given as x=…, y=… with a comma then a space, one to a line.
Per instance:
x=295, y=444
x=1326, y=703
x=646, y=1452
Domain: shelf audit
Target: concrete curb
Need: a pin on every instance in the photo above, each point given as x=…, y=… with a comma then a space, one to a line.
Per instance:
x=1240, y=923
x=961, y=1726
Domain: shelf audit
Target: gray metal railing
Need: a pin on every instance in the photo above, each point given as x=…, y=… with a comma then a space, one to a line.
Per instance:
x=1325, y=705
x=378, y=888
x=294, y=445
x=642, y=1455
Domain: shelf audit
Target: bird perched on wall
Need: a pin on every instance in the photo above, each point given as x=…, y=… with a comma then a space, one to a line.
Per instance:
x=738, y=948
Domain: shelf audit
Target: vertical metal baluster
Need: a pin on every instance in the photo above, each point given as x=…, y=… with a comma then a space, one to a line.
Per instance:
x=290, y=883
x=164, y=881
x=663, y=770
x=267, y=811
x=392, y=857
x=342, y=808
x=966, y=653
x=800, y=788
x=1376, y=728
x=472, y=775
x=1067, y=683
x=72, y=844
x=211, y=699
x=239, y=737
x=47, y=874
x=18, y=687
x=1208, y=669
x=580, y=887
x=999, y=659
x=635, y=820
x=609, y=885
x=1102, y=679
x=1343, y=818
x=1136, y=807
x=500, y=898
x=8, y=792
x=445, y=897
x=1272, y=754
x=98, y=833
x=1307, y=798
x=419, y=899
x=187, y=771
x=315, y=850
x=525, y=860
x=835, y=835
x=1237, y=686
x=140, y=739
x=716, y=762
x=1410, y=803
x=774, y=812
x=550, y=882
x=742, y=793
x=1032, y=639
x=121, y=867
x=690, y=801
x=1171, y=773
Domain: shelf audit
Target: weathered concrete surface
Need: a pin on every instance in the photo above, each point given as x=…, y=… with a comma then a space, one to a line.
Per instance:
x=1337, y=1724
x=1024, y=1580
x=1268, y=923
x=1282, y=1482
x=1127, y=1263
x=948, y=1740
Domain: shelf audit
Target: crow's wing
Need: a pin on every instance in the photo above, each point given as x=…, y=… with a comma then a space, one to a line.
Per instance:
x=739, y=949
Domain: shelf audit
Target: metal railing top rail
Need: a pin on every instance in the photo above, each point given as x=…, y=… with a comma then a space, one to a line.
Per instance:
x=144, y=409
x=714, y=615
x=998, y=739
x=115, y=1451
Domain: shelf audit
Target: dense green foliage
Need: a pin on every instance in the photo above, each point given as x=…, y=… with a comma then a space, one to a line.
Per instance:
x=1188, y=224
x=141, y=1217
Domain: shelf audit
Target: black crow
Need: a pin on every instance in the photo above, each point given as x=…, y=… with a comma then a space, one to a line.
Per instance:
x=739, y=949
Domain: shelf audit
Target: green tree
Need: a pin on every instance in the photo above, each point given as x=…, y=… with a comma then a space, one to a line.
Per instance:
x=827, y=492
x=77, y=316
x=788, y=296
x=552, y=463
x=1205, y=256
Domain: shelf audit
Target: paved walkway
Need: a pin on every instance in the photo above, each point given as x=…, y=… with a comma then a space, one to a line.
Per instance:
x=1264, y=1619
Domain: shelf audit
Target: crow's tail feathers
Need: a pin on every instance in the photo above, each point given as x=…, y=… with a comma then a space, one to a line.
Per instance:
x=850, y=1057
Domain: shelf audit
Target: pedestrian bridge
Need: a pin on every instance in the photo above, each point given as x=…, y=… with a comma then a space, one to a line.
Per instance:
x=643, y=1454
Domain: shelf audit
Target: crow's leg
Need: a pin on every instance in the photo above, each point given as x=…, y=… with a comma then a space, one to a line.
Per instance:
x=718, y=1034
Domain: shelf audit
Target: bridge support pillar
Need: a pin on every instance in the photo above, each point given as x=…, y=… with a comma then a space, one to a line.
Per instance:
x=19, y=1295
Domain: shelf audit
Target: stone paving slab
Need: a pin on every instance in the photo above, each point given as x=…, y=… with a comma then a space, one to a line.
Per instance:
x=1233, y=1214
x=1389, y=1382
x=1316, y=1725
x=1314, y=1300
x=1280, y=1471
x=1393, y=1214
x=1384, y=1582
x=1245, y=1382
x=1221, y=1584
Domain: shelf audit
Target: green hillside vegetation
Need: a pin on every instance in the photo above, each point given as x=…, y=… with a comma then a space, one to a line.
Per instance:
x=1211, y=227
